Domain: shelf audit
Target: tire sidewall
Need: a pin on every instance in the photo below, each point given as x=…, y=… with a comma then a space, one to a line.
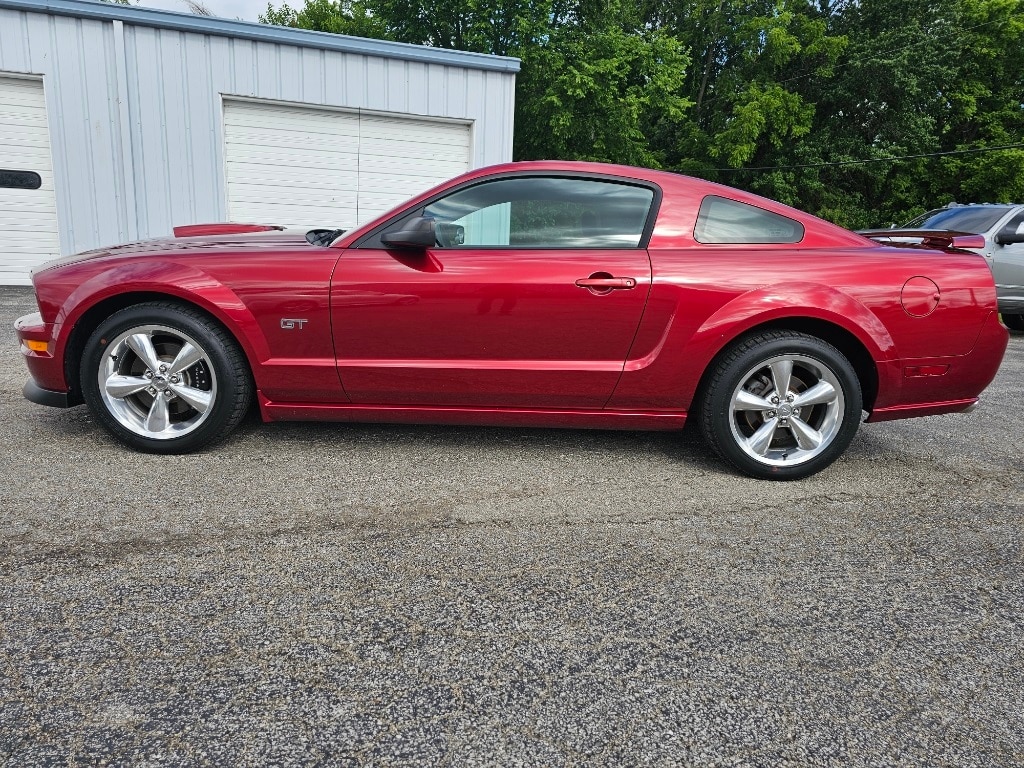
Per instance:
x=719, y=401
x=190, y=324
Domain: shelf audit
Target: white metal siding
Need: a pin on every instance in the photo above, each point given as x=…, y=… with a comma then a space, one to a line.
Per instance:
x=28, y=217
x=291, y=166
x=400, y=157
x=136, y=116
x=303, y=166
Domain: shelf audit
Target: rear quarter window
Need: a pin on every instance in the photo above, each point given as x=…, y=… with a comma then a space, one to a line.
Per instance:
x=721, y=220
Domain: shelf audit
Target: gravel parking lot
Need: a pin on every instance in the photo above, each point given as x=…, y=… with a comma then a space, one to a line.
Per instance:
x=337, y=594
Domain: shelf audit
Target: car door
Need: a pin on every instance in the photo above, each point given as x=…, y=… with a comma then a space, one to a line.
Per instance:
x=530, y=297
x=1008, y=266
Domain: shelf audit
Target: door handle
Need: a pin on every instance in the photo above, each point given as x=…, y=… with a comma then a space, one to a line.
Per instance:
x=606, y=283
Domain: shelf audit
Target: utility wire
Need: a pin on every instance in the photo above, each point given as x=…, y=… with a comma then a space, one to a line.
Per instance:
x=897, y=159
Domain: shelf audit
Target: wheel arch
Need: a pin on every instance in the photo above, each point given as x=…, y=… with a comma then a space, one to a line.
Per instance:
x=852, y=348
x=814, y=309
x=89, y=317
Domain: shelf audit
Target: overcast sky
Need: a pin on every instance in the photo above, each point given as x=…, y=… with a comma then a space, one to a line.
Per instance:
x=247, y=10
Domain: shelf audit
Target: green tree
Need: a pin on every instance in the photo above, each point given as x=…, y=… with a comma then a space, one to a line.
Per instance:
x=918, y=77
x=596, y=88
x=782, y=97
x=346, y=18
x=594, y=79
x=751, y=61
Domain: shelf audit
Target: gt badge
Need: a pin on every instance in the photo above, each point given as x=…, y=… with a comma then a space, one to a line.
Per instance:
x=291, y=323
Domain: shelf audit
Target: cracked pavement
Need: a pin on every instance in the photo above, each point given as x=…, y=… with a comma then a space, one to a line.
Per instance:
x=381, y=595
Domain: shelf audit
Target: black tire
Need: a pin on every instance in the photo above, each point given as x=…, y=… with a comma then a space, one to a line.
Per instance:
x=737, y=428
x=1013, y=322
x=205, y=399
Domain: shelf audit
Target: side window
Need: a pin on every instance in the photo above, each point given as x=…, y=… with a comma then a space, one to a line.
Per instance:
x=721, y=220
x=543, y=212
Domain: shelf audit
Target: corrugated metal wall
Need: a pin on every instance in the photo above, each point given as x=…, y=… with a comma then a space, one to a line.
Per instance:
x=136, y=112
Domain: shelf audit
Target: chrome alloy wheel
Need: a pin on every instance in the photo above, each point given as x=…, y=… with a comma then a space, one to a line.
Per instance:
x=786, y=410
x=157, y=382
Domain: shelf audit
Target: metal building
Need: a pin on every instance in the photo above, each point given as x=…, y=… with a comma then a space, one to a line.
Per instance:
x=138, y=120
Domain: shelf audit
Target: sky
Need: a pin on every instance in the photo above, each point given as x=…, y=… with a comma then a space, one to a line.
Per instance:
x=247, y=10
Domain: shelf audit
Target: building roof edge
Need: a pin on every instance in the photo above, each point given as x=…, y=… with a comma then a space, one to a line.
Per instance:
x=212, y=25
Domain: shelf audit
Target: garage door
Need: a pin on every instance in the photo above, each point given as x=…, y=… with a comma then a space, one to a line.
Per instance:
x=305, y=166
x=28, y=217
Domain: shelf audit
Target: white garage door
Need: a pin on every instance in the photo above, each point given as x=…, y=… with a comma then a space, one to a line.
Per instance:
x=28, y=217
x=305, y=166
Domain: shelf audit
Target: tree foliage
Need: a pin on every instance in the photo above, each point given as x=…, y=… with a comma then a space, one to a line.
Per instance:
x=776, y=96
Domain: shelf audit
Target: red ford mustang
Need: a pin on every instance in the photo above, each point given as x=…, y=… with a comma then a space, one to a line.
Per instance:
x=536, y=294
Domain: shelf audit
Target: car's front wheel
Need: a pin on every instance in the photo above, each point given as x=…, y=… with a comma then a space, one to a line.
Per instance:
x=781, y=405
x=1014, y=322
x=165, y=378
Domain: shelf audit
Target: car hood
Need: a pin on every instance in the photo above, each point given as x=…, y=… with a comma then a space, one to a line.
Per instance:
x=198, y=244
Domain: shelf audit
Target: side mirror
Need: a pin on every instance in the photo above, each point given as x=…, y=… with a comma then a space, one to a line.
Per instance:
x=1010, y=235
x=418, y=234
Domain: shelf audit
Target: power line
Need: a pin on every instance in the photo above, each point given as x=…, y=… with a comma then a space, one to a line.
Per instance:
x=1019, y=145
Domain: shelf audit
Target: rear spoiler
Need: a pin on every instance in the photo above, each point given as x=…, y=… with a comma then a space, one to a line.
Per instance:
x=936, y=239
x=198, y=230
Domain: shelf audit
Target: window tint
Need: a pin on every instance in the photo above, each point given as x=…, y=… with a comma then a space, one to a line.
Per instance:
x=726, y=221
x=543, y=212
x=975, y=220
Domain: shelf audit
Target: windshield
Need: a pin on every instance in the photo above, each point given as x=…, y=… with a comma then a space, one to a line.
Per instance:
x=976, y=220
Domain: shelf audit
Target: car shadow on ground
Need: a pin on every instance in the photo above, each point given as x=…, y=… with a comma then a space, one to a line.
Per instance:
x=684, y=447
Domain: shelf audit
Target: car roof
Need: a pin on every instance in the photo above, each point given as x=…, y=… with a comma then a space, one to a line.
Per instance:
x=687, y=189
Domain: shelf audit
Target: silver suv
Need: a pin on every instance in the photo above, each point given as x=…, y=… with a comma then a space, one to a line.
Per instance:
x=1003, y=229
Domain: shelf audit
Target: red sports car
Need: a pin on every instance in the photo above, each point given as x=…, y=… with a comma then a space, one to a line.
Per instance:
x=536, y=294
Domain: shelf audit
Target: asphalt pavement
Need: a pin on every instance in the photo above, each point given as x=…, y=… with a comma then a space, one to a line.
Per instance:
x=387, y=595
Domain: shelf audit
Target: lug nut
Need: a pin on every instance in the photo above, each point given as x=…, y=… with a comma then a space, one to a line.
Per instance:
x=148, y=374
x=151, y=390
x=175, y=379
x=168, y=394
x=163, y=368
x=771, y=414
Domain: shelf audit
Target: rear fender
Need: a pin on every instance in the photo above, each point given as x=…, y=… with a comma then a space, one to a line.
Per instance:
x=675, y=368
x=796, y=300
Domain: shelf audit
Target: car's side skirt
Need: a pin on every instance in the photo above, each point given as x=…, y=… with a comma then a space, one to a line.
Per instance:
x=913, y=410
x=494, y=417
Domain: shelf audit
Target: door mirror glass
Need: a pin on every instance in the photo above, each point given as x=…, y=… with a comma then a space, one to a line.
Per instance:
x=450, y=235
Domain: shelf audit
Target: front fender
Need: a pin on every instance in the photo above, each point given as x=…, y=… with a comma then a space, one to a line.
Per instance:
x=174, y=280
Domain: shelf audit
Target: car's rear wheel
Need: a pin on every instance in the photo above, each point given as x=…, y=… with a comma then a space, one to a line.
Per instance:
x=164, y=378
x=1014, y=322
x=781, y=405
